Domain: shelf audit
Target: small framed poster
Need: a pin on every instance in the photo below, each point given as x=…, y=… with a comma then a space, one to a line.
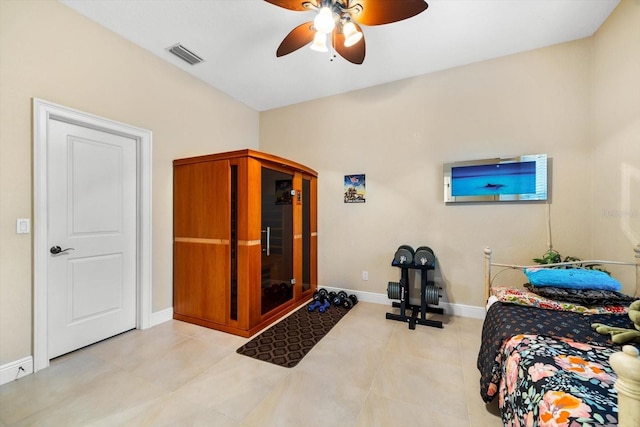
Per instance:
x=354, y=188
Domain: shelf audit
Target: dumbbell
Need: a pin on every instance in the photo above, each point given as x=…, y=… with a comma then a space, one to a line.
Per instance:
x=343, y=300
x=321, y=305
x=315, y=304
x=349, y=301
x=424, y=257
x=324, y=306
x=320, y=294
x=404, y=255
x=338, y=298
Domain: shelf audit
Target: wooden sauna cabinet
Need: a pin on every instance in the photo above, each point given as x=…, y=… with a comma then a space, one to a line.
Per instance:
x=245, y=239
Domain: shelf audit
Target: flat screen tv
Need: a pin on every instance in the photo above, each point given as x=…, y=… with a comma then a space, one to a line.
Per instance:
x=496, y=180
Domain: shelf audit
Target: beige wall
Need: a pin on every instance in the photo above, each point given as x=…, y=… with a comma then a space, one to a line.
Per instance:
x=400, y=134
x=578, y=102
x=615, y=163
x=50, y=52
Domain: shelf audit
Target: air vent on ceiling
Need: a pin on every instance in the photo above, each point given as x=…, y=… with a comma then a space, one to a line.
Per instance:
x=185, y=54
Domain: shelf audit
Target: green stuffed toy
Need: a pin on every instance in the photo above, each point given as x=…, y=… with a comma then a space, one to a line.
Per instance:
x=622, y=335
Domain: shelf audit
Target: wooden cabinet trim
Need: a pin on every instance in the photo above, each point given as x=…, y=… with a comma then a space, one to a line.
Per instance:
x=202, y=241
x=249, y=242
x=263, y=157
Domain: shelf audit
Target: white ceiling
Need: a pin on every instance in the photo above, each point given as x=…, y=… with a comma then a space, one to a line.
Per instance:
x=238, y=40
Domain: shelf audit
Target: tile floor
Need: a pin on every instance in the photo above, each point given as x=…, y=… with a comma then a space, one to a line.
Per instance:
x=368, y=371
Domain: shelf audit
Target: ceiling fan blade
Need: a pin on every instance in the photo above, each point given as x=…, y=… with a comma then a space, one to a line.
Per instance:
x=292, y=4
x=379, y=12
x=298, y=37
x=354, y=54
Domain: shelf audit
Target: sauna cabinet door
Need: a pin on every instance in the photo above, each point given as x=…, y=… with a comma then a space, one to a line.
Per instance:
x=277, y=278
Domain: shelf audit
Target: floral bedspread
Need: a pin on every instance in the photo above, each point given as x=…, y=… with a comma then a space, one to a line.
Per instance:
x=504, y=321
x=525, y=298
x=556, y=382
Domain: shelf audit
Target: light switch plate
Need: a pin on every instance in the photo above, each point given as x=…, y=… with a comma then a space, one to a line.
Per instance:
x=23, y=226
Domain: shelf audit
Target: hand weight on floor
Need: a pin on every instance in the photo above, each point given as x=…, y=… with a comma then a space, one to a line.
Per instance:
x=338, y=298
x=349, y=301
x=324, y=306
x=341, y=299
x=323, y=299
x=320, y=294
x=314, y=304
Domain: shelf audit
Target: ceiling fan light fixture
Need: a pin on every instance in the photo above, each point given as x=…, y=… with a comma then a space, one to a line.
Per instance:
x=340, y=21
x=351, y=34
x=324, y=22
x=319, y=42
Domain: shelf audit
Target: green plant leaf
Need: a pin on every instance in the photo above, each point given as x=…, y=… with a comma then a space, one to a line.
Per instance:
x=554, y=257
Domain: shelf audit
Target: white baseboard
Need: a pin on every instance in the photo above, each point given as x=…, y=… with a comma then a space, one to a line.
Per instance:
x=161, y=316
x=464, y=310
x=461, y=310
x=17, y=369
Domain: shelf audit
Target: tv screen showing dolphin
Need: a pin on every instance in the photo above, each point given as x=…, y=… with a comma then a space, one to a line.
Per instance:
x=508, y=179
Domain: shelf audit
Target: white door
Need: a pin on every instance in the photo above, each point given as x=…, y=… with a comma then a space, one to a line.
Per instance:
x=92, y=220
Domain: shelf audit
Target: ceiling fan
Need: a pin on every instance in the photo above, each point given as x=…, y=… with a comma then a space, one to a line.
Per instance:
x=340, y=20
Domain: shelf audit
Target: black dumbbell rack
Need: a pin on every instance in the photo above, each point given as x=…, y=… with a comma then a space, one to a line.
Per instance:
x=404, y=304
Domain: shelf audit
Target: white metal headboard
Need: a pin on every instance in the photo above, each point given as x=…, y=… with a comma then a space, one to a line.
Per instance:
x=488, y=264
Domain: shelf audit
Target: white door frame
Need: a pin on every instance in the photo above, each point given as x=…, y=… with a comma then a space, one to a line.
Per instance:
x=43, y=111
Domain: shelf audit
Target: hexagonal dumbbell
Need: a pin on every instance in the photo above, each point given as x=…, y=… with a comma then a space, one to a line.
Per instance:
x=338, y=298
x=320, y=294
x=349, y=301
x=353, y=298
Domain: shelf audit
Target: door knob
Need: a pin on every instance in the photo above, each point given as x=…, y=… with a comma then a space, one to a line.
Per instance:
x=57, y=250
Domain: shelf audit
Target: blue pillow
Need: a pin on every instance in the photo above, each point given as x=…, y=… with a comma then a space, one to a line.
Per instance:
x=572, y=278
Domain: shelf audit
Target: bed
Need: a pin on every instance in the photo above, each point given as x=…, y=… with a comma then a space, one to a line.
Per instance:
x=547, y=366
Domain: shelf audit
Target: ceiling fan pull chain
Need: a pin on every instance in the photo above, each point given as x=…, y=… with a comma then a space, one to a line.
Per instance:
x=332, y=53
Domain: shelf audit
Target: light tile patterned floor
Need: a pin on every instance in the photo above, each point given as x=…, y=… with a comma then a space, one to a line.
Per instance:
x=368, y=371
